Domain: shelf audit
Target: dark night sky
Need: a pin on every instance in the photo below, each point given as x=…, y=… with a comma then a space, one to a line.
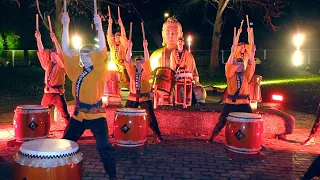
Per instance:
x=300, y=15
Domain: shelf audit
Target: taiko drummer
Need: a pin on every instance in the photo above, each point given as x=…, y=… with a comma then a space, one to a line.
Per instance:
x=238, y=70
x=54, y=80
x=140, y=74
x=87, y=70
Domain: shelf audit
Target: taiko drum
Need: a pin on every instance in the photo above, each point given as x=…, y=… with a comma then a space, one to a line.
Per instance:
x=130, y=127
x=244, y=132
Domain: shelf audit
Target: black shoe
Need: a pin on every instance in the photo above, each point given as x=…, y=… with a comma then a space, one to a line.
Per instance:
x=209, y=141
x=159, y=139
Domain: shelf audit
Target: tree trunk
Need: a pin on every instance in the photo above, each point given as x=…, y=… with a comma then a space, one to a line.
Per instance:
x=57, y=22
x=214, y=61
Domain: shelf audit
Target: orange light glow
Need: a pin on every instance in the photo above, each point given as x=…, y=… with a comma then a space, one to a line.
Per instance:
x=277, y=97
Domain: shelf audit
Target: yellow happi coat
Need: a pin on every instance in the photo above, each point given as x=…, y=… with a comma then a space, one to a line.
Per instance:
x=58, y=74
x=92, y=87
x=145, y=87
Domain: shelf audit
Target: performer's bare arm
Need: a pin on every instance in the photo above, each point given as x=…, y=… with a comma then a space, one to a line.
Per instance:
x=128, y=63
x=230, y=67
x=58, y=48
x=110, y=36
x=65, y=41
x=123, y=38
x=56, y=43
x=146, y=51
x=110, y=26
x=102, y=39
x=39, y=41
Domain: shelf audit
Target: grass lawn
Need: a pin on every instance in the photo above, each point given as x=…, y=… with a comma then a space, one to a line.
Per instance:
x=301, y=90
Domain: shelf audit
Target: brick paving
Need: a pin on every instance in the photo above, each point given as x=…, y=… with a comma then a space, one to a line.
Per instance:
x=187, y=156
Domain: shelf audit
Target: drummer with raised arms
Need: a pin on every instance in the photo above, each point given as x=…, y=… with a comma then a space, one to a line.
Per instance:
x=140, y=73
x=118, y=44
x=54, y=79
x=88, y=71
x=238, y=70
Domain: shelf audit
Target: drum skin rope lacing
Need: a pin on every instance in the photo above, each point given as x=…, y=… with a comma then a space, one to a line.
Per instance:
x=48, y=156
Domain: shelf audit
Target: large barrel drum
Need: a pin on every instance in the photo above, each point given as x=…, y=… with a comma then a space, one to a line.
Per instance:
x=130, y=127
x=244, y=132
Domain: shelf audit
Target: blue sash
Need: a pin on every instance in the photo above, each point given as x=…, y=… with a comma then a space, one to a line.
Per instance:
x=88, y=108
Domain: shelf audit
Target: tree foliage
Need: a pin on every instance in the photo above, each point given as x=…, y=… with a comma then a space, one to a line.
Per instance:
x=267, y=9
x=1, y=43
x=12, y=40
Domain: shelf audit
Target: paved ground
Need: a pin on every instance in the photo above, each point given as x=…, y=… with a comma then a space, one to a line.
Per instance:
x=187, y=157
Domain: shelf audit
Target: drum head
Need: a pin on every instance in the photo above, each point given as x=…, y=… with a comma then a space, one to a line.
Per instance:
x=49, y=148
x=131, y=110
x=183, y=75
x=32, y=107
x=243, y=117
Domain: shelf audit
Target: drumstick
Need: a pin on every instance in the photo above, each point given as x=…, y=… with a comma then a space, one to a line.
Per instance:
x=65, y=6
x=234, y=34
x=109, y=12
x=143, y=34
x=95, y=7
x=119, y=17
x=248, y=23
x=50, y=27
x=37, y=22
x=252, y=36
x=241, y=24
x=130, y=32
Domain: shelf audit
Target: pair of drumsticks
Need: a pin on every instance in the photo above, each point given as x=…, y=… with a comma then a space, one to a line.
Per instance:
x=130, y=32
x=236, y=34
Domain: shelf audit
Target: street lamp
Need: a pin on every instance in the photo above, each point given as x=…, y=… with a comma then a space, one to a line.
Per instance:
x=298, y=40
x=166, y=15
x=76, y=41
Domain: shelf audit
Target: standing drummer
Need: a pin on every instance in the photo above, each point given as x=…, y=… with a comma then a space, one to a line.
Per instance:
x=55, y=74
x=88, y=71
x=118, y=44
x=182, y=60
x=239, y=70
x=140, y=74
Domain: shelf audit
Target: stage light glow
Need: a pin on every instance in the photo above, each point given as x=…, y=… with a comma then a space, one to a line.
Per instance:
x=298, y=40
x=76, y=41
x=166, y=15
x=276, y=97
x=112, y=66
x=297, y=58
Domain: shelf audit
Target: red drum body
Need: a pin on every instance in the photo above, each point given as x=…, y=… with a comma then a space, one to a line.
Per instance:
x=48, y=159
x=113, y=84
x=164, y=80
x=31, y=122
x=112, y=89
x=130, y=127
x=244, y=132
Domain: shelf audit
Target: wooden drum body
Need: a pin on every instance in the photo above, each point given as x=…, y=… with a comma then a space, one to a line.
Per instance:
x=164, y=80
x=130, y=127
x=31, y=122
x=113, y=83
x=48, y=159
x=244, y=132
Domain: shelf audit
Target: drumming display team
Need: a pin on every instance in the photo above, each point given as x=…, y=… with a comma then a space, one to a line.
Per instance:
x=87, y=68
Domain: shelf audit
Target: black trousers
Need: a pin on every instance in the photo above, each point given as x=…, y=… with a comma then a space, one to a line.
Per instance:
x=228, y=108
x=50, y=99
x=99, y=129
x=316, y=127
x=313, y=170
x=147, y=105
